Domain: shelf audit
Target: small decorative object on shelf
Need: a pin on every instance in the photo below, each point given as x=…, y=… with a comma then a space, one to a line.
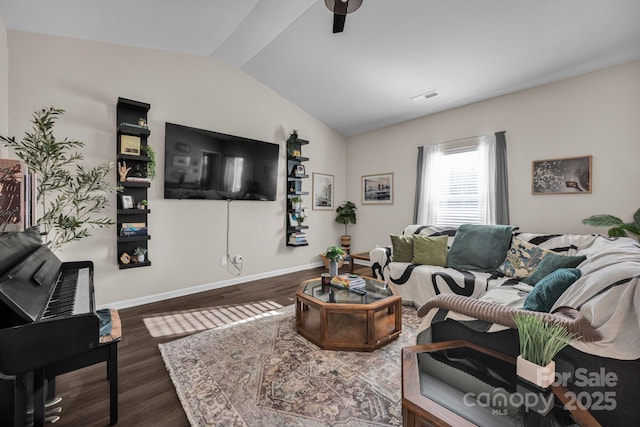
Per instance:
x=139, y=254
x=125, y=258
x=136, y=167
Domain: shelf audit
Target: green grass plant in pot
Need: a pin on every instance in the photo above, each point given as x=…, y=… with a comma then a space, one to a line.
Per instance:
x=346, y=215
x=540, y=341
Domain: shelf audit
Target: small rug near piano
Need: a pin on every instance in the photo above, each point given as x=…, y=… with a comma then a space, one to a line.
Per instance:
x=262, y=373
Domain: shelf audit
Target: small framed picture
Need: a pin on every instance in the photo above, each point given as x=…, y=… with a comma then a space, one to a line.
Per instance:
x=322, y=192
x=127, y=202
x=300, y=170
x=377, y=189
x=130, y=144
x=181, y=161
x=293, y=220
x=182, y=147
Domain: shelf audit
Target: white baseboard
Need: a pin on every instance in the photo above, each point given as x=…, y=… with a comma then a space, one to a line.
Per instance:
x=206, y=287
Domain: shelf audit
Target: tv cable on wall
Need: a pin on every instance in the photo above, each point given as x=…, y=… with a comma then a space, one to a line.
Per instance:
x=236, y=261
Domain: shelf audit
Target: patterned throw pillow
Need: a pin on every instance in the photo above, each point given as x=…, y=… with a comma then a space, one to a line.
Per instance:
x=522, y=259
x=402, y=248
x=550, y=263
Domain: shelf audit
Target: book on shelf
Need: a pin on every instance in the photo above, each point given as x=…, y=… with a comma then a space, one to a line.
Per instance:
x=133, y=231
x=138, y=179
x=133, y=224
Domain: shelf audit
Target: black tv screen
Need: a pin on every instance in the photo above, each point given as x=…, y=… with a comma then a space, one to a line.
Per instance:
x=202, y=164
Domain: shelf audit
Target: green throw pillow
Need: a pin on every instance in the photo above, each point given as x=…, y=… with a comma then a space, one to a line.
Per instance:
x=430, y=250
x=550, y=263
x=547, y=291
x=479, y=247
x=402, y=248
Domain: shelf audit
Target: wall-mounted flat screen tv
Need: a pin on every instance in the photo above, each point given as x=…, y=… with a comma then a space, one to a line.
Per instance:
x=202, y=164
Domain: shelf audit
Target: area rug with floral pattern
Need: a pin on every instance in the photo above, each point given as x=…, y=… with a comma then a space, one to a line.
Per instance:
x=262, y=373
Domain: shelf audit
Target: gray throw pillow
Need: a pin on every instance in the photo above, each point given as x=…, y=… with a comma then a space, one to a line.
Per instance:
x=480, y=247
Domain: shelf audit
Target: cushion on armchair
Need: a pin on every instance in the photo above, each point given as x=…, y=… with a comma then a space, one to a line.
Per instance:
x=480, y=247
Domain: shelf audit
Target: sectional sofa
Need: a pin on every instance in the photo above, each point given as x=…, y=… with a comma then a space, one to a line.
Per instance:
x=459, y=278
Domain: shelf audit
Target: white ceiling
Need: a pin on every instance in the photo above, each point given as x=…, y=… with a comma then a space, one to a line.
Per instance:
x=363, y=79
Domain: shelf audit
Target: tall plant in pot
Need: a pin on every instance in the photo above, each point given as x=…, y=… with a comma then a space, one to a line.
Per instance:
x=69, y=194
x=540, y=341
x=346, y=215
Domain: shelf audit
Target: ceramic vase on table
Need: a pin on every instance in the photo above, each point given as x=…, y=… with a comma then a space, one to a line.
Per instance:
x=333, y=268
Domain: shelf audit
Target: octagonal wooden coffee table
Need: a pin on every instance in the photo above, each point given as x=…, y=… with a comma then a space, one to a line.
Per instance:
x=339, y=319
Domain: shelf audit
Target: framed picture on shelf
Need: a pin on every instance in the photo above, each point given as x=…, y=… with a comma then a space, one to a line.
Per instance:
x=300, y=170
x=127, y=201
x=377, y=189
x=569, y=175
x=130, y=144
x=322, y=192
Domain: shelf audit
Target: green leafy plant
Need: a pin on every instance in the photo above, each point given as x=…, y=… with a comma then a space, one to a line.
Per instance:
x=346, y=214
x=296, y=199
x=291, y=142
x=68, y=193
x=540, y=340
x=139, y=251
x=619, y=228
x=334, y=253
x=151, y=166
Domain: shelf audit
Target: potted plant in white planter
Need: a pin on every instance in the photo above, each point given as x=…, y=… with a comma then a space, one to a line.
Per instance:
x=334, y=255
x=540, y=341
x=296, y=202
x=139, y=254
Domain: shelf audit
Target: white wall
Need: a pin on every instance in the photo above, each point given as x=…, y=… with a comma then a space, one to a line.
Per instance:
x=188, y=237
x=595, y=114
x=4, y=85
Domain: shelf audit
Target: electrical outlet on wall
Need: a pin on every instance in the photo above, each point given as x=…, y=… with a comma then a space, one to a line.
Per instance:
x=223, y=261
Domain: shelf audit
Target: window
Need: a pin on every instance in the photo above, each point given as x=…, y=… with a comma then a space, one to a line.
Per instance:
x=462, y=182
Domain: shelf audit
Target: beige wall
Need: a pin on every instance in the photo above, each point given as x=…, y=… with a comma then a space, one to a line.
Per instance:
x=188, y=237
x=595, y=114
x=4, y=85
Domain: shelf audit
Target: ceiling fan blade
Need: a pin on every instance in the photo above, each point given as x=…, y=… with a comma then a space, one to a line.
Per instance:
x=338, y=23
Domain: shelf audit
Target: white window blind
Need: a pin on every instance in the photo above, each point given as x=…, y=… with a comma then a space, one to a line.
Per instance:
x=458, y=193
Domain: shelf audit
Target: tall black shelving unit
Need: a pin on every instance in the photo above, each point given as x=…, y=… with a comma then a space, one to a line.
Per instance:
x=296, y=234
x=129, y=130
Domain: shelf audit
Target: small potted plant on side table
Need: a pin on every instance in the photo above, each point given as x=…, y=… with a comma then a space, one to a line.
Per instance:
x=139, y=254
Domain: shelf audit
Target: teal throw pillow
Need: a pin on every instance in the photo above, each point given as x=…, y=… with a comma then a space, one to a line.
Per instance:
x=550, y=263
x=479, y=247
x=547, y=291
x=430, y=250
x=402, y=248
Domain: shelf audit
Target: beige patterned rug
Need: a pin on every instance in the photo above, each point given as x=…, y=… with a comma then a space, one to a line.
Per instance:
x=262, y=373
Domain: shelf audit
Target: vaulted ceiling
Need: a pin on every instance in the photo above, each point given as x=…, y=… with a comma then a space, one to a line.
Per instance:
x=363, y=78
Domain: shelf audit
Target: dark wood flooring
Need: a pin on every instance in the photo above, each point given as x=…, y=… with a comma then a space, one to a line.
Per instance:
x=146, y=394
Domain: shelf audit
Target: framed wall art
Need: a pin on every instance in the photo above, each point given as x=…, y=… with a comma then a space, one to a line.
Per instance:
x=569, y=175
x=377, y=189
x=13, y=192
x=322, y=191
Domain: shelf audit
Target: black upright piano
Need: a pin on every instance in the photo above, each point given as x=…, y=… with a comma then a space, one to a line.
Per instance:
x=47, y=319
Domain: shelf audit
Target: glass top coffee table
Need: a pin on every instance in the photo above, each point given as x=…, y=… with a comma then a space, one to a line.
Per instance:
x=339, y=319
x=460, y=383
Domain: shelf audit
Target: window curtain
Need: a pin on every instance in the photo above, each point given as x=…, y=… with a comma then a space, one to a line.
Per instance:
x=494, y=198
